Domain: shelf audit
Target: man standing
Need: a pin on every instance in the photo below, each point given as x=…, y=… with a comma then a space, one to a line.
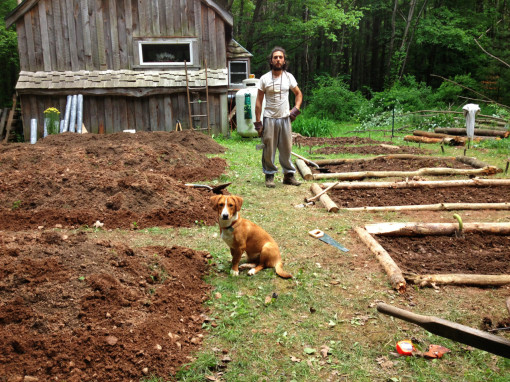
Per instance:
x=276, y=129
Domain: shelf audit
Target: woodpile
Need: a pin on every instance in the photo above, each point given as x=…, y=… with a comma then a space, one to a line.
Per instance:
x=455, y=136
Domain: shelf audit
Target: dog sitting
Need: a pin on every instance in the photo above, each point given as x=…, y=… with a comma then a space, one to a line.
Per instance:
x=242, y=235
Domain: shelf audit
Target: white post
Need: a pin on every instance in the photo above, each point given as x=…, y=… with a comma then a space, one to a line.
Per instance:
x=62, y=123
x=68, y=113
x=79, y=121
x=45, y=131
x=33, y=131
x=72, y=122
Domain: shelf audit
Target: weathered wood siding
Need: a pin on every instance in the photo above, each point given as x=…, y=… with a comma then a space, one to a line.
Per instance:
x=116, y=113
x=101, y=34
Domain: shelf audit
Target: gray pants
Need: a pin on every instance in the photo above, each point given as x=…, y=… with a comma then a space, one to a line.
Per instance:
x=277, y=135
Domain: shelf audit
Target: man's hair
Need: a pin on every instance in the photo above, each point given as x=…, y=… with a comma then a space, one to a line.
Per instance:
x=278, y=49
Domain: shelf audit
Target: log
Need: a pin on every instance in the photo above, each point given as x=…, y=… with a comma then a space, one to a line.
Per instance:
x=435, y=207
x=391, y=268
x=304, y=170
x=389, y=156
x=308, y=200
x=324, y=199
x=436, y=171
x=478, y=132
x=473, y=162
x=413, y=228
x=458, y=279
x=475, y=182
x=421, y=133
x=419, y=139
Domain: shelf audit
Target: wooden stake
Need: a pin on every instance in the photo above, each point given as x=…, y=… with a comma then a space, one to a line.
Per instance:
x=325, y=199
x=391, y=268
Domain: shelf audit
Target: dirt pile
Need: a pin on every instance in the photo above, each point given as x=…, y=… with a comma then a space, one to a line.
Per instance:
x=120, y=179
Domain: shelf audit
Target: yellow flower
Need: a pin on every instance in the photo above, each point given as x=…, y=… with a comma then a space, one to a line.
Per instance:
x=51, y=110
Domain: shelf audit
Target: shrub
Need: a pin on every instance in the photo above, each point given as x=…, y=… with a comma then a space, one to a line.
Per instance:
x=313, y=126
x=331, y=99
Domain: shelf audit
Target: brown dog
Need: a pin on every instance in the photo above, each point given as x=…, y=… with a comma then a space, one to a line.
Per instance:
x=242, y=235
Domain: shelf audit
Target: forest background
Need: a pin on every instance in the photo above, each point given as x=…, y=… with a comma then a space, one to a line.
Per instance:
x=356, y=58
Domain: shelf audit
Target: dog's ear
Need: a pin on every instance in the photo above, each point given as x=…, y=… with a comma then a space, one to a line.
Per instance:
x=214, y=202
x=239, y=202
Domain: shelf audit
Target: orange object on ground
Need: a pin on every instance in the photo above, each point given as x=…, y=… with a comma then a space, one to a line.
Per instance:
x=405, y=347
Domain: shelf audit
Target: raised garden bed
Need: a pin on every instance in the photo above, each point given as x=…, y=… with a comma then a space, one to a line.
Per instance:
x=385, y=166
x=441, y=253
x=472, y=194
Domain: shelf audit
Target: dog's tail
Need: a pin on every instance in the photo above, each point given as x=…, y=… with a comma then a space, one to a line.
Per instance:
x=280, y=272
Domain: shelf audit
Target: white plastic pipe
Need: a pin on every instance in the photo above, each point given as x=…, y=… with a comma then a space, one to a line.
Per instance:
x=68, y=113
x=45, y=131
x=79, y=119
x=33, y=131
x=72, y=122
x=62, y=123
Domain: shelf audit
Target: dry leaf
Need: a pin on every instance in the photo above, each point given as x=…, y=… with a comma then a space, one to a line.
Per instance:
x=325, y=350
x=295, y=359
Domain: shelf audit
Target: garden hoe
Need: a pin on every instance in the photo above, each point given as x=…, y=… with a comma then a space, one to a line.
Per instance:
x=460, y=333
x=308, y=161
x=216, y=189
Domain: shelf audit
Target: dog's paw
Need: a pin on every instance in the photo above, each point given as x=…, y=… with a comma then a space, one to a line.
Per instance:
x=251, y=272
x=234, y=273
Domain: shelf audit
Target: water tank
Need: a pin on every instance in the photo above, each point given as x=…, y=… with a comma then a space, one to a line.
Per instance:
x=245, y=108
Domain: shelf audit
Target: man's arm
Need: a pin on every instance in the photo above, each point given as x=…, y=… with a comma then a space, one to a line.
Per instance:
x=299, y=97
x=258, y=105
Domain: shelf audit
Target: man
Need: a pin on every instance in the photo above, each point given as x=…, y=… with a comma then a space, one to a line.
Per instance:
x=276, y=129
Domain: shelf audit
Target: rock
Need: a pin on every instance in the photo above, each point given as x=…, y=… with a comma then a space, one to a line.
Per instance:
x=145, y=371
x=112, y=340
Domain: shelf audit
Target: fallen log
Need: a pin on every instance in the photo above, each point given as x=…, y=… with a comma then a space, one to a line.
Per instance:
x=450, y=141
x=324, y=198
x=475, y=182
x=478, y=132
x=387, y=156
x=397, y=279
x=414, y=228
x=439, y=171
x=458, y=279
x=435, y=207
x=304, y=170
x=473, y=162
x=421, y=133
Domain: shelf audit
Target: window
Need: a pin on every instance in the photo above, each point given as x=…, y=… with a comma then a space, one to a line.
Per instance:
x=238, y=71
x=165, y=52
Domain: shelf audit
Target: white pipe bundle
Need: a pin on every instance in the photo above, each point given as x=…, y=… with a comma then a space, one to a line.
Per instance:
x=33, y=131
x=72, y=122
x=68, y=113
x=79, y=120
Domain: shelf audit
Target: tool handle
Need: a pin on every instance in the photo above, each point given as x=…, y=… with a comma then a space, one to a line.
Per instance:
x=316, y=233
x=306, y=160
x=403, y=314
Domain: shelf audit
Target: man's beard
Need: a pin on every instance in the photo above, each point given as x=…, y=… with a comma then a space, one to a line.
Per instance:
x=277, y=69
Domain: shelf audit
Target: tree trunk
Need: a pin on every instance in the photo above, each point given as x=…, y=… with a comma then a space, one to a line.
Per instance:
x=476, y=182
x=478, y=132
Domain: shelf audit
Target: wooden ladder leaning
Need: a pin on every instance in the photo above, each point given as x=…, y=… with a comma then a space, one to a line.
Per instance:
x=198, y=100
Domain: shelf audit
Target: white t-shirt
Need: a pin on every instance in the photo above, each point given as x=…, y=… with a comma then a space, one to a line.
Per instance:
x=276, y=92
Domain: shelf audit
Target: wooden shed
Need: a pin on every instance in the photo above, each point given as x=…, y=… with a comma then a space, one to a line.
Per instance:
x=127, y=58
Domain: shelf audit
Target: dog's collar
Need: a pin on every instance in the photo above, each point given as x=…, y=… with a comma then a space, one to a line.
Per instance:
x=230, y=227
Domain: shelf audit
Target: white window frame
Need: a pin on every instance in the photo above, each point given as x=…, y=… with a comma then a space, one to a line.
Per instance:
x=191, y=42
x=246, y=62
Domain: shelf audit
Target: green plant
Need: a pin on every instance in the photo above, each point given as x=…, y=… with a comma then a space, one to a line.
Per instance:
x=313, y=126
x=51, y=120
x=16, y=204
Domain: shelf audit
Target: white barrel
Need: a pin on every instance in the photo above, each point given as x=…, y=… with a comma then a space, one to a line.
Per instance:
x=245, y=116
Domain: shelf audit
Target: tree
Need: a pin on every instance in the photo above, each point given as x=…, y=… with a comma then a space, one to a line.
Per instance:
x=9, y=64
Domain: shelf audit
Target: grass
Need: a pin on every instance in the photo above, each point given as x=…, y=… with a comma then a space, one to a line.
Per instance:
x=329, y=303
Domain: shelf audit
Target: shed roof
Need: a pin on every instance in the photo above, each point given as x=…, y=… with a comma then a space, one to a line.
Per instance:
x=27, y=5
x=110, y=79
x=236, y=50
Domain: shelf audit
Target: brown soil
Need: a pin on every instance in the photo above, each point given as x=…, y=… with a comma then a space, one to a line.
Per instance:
x=470, y=254
x=351, y=145
x=77, y=309
x=394, y=164
x=419, y=196
x=118, y=179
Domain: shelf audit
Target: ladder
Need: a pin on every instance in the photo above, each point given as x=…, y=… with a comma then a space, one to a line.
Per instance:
x=197, y=100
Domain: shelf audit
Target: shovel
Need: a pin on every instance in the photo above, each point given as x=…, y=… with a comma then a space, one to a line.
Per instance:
x=308, y=161
x=318, y=234
x=215, y=189
x=460, y=333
